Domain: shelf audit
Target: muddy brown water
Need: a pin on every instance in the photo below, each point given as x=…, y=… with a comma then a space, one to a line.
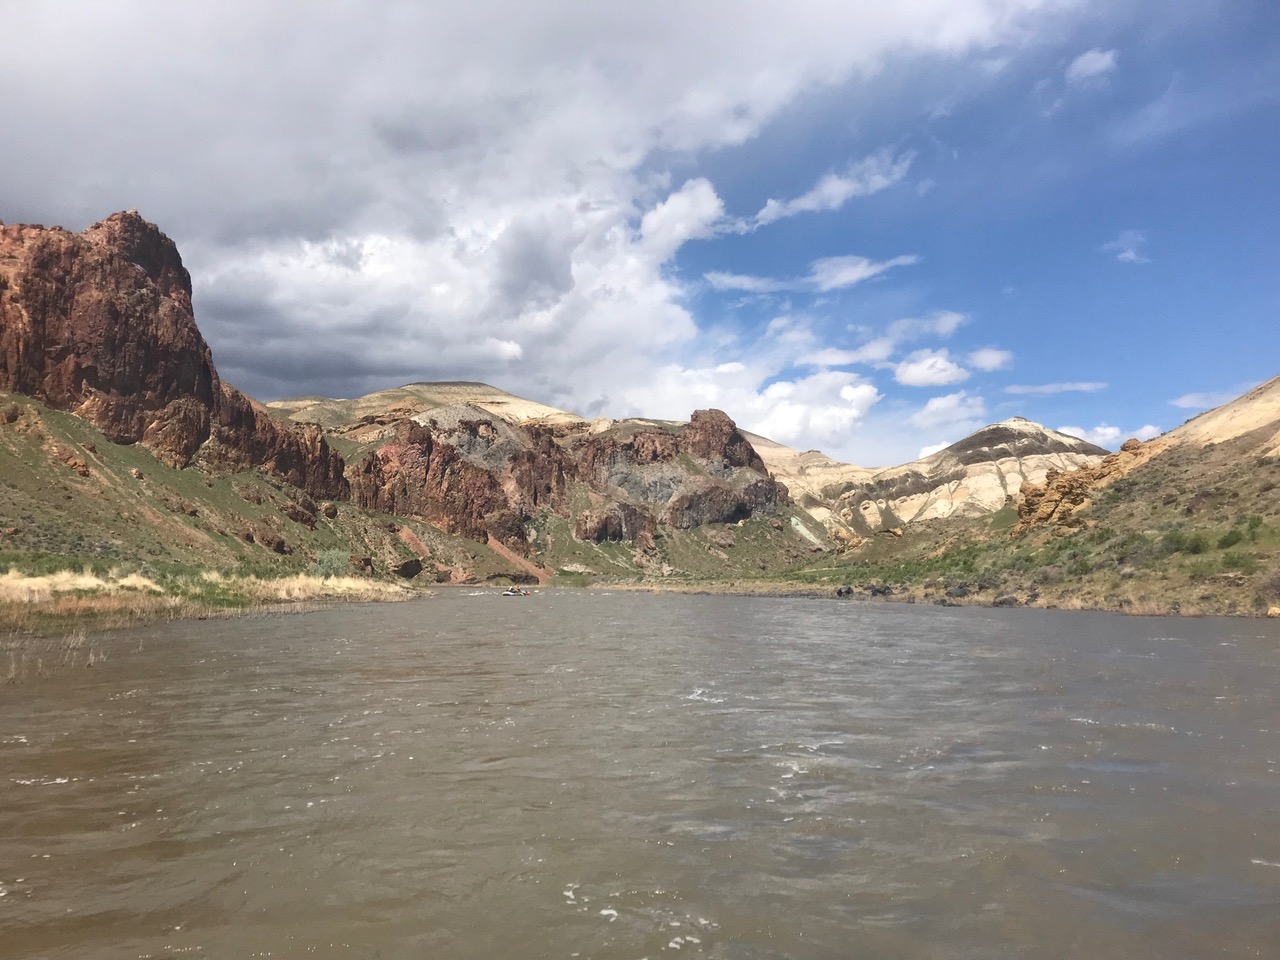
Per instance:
x=622, y=776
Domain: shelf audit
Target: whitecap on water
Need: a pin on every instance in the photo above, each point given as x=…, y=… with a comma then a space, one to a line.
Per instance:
x=700, y=693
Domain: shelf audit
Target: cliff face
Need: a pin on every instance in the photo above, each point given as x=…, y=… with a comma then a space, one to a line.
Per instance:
x=100, y=323
x=705, y=472
x=474, y=474
x=472, y=477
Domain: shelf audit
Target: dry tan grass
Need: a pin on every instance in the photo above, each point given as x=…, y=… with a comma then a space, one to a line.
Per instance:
x=19, y=588
x=1145, y=608
x=304, y=587
x=49, y=605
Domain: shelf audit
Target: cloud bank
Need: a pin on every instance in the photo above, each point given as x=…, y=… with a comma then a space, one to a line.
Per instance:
x=393, y=192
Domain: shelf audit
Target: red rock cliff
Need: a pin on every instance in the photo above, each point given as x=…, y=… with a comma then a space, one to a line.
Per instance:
x=100, y=323
x=420, y=475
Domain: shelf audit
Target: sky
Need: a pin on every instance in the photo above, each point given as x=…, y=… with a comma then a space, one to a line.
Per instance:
x=858, y=227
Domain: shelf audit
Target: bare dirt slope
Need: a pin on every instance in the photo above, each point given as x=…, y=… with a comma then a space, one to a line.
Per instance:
x=1251, y=412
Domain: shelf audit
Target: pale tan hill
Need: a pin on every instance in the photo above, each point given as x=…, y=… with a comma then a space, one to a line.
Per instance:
x=1208, y=454
x=974, y=477
x=1257, y=410
x=809, y=474
x=420, y=397
x=367, y=419
x=814, y=480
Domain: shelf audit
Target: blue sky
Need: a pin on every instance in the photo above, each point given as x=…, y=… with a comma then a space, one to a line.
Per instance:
x=864, y=230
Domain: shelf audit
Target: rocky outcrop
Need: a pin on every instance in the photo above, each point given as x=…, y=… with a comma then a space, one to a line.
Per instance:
x=243, y=435
x=100, y=323
x=675, y=468
x=475, y=475
x=616, y=521
x=418, y=475
x=714, y=438
x=1056, y=503
x=704, y=500
x=703, y=472
x=465, y=472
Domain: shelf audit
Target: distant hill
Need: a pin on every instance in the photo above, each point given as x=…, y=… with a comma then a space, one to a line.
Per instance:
x=976, y=476
x=364, y=419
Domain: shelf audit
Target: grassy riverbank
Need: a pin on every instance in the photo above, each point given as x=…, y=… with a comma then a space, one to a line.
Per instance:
x=59, y=607
x=63, y=602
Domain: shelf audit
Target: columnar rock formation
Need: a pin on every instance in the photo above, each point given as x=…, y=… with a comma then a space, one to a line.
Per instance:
x=100, y=323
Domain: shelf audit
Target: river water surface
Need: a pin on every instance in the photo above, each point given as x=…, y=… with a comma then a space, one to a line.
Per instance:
x=622, y=776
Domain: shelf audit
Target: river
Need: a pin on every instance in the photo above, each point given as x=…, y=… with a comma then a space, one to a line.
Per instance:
x=594, y=775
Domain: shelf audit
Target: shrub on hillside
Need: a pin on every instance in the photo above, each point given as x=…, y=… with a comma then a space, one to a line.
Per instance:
x=1230, y=538
x=1049, y=574
x=1135, y=548
x=1244, y=562
x=332, y=563
x=1196, y=543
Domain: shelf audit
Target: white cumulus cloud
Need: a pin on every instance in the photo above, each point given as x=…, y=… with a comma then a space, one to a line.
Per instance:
x=691, y=213
x=960, y=408
x=929, y=368
x=988, y=359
